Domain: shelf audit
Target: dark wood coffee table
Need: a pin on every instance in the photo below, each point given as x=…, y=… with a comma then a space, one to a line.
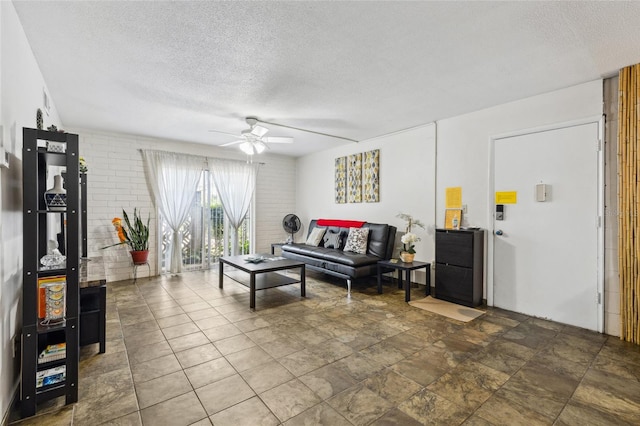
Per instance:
x=262, y=275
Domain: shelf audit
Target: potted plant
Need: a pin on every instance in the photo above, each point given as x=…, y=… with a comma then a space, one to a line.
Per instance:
x=409, y=239
x=135, y=235
x=408, y=247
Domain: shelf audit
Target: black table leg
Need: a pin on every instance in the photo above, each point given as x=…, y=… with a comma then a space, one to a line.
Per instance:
x=252, y=291
x=379, y=281
x=303, y=282
x=220, y=273
x=407, y=288
x=399, y=278
x=429, y=280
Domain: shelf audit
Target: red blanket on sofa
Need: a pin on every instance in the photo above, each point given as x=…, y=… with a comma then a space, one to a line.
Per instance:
x=340, y=223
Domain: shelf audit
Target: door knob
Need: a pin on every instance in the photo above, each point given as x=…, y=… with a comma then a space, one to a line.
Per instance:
x=499, y=232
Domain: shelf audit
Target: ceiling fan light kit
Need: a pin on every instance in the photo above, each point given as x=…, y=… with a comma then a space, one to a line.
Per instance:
x=253, y=140
x=252, y=147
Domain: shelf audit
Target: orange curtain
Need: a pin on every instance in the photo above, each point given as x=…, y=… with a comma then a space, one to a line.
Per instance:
x=629, y=202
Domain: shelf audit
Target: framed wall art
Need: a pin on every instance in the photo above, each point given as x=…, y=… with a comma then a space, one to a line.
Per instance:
x=371, y=172
x=341, y=180
x=354, y=172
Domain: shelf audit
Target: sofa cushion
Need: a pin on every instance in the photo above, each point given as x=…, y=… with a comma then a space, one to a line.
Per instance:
x=379, y=242
x=315, y=236
x=333, y=239
x=321, y=256
x=357, y=240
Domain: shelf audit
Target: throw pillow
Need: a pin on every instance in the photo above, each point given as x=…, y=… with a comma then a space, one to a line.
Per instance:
x=333, y=239
x=315, y=236
x=357, y=240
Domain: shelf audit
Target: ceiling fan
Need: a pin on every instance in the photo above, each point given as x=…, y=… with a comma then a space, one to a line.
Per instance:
x=253, y=140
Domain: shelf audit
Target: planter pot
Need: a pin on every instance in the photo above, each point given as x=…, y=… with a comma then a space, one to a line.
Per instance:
x=407, y=257
x=139, y=257
x=56, y=197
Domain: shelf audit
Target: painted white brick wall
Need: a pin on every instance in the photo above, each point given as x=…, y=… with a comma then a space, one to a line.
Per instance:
x=116, y=181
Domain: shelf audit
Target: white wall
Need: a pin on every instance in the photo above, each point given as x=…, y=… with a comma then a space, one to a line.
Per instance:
x=116, y=181
x=21, y=94
x=464, y=141
x=407, y=185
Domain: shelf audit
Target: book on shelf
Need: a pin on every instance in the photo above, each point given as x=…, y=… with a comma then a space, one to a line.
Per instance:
x=53, y=353
x=51, y=376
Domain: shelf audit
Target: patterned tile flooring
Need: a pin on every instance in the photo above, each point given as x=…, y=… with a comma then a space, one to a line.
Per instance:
x=180, y=351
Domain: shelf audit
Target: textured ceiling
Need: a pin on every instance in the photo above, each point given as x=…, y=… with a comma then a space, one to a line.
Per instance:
x=356, y=69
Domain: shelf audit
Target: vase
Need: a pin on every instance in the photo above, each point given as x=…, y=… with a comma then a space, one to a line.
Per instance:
x=139, y=257
x=56, y=197
x=407, y=257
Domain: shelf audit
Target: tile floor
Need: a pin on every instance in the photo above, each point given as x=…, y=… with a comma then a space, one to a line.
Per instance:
x=182, y=352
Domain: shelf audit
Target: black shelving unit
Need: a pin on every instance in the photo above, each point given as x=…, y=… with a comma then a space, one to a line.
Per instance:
x=36, y=336
x=83, y=212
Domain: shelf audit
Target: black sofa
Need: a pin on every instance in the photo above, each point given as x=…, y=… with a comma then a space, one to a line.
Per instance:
x=345, y=264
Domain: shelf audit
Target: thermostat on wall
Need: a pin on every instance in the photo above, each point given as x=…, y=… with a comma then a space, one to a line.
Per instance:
x=541, y=192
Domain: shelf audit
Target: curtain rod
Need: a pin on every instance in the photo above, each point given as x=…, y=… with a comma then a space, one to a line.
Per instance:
x=203, y=157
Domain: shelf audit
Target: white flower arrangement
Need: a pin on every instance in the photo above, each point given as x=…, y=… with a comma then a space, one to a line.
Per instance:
x=410, y=221
x=408, y=241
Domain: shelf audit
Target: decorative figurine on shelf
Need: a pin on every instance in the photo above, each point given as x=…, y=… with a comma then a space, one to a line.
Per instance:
x=53, y=256
x=56, y=197
x=54, y=300
x=133, y=233
x=83, y=165
x=39, y=120
x=54, y=128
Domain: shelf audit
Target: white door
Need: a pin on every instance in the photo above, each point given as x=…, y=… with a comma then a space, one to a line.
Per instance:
x=546, y=258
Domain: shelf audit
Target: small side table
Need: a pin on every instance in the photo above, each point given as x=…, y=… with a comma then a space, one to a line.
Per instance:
x=407, y=268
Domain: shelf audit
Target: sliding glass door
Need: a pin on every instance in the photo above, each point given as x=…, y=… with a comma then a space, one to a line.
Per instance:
x=206, y=234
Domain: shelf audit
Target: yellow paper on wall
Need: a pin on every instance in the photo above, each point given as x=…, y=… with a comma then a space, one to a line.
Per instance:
x=453, y=197
x=506, y=197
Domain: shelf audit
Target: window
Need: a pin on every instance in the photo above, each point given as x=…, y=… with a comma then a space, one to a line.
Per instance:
x=206, y=234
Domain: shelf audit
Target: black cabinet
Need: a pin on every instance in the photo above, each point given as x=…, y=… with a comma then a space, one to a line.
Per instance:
x=93, y=301
x=49, y=291
x=459, y=266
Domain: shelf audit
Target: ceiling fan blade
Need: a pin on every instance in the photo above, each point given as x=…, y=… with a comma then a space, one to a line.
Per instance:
x=224, y=133
x=278, y=139
x=232, y=143
x=259, y=131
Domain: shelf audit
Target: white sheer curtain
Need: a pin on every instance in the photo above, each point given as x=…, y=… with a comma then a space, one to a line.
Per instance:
x=235, y=182
x=174, y=180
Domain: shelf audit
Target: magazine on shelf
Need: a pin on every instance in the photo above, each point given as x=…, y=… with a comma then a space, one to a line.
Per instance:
x=51, y=376
x=53, y=353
